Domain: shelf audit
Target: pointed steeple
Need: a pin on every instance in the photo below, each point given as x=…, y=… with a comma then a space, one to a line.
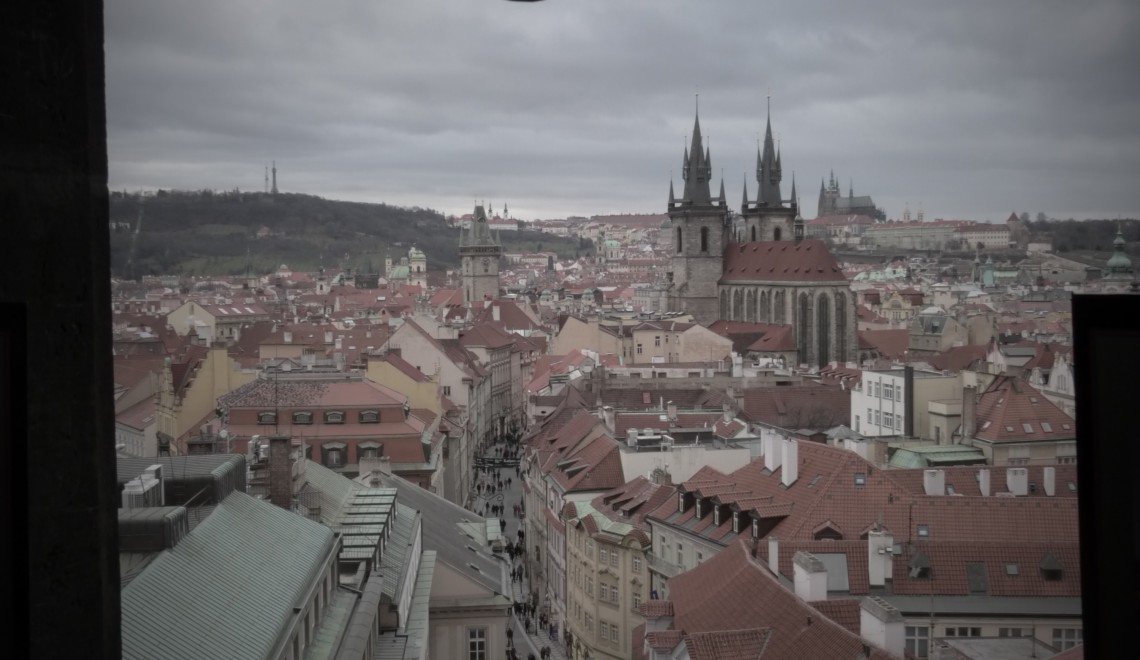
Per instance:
x=795, y=200
x=697, y=171
x=769, y=173
x=723, y=200
x=821, y=188
x=744, y=204
x=672, y=200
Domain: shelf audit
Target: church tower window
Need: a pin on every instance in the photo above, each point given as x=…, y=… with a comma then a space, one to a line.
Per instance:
x=704, y=239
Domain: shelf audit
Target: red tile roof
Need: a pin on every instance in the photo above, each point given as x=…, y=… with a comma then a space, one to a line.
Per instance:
x=733, y=592
x=780, y=261
x=957, y=358
x=1011, y=410
x=1004, y=569
x=890, y=343
x=806, y=406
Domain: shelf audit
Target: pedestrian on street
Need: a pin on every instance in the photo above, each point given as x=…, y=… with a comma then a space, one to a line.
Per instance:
x=502, y=525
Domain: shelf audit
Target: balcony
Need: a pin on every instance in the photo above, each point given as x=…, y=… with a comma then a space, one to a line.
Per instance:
x=664, y=567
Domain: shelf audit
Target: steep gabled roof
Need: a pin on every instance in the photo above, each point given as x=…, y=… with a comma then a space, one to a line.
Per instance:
x=780, y=261
x=1011, y=410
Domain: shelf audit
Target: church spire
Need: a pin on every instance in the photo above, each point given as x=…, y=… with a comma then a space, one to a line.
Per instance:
x=744, y=204
x=768, y=173
x=672, y=200
x=723, y=200
x=795, y=201
x=697, y=170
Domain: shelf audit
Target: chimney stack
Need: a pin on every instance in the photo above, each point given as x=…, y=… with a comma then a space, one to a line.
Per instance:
x=609, y=417
x=880, y=553
x=1050, y=479
x=810, y=577
x=727, y=412
x=288, y=337
x=773, y=451
x=791, y=467
x=280, y=471
x=984, y=482
x=881, y=624
x=495, y=313
x=1017, y=481
x=934, y=482
x=969, y=412
x=672, y=412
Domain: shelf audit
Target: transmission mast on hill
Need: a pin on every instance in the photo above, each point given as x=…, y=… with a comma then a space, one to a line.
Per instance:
x=274, y=190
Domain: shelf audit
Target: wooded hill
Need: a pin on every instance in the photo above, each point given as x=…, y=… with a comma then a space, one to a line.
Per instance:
x=212, y=233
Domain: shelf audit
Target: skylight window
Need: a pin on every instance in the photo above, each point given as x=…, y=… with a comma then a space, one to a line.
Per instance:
x=1027, y=426
x=987, y=424
x=1046, y=427
x=815, y=480
x=923, y=531
x=1011, y=569
x=1009, y=428
x=1066, y=426
x=860, y=479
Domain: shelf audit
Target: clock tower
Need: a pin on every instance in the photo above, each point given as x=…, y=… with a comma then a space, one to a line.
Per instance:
x=479, y=253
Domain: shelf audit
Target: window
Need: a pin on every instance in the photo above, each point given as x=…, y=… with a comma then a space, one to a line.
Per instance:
x=302, y=418
x=589, y=586
x=447, y=390
x=870, y=416
x=878, y=418
x=735, y=526
x=334, y=457
x=1014, y=632
x=888, y=391
x=477, y=643
x=857, y=422
x=266, y=418
x=603, y=591
x=334, y=417
x=1066, y=638
x=604, y=629
x=878, y=389
x=678, y=240
x=603, y=554
x=898, y=421
x=917, y=640
x=613, y=558
x=923, y=532
x=898, y=393
x=589, y=549
x=963, y=631
x=704, y=239
x=657, y=340
x=860, y=479
x=700, y=557
x=614, y=633
x=680, y=554
x=589, y=623
x=615, y=596
x=637, y=564
x=889, y=420
x=636, y=599
x=639, y=349
x=369, y=417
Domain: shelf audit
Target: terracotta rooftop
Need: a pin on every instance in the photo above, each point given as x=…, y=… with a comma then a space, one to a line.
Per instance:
x=780, y=261
x=890, y=343
x=1010, y=410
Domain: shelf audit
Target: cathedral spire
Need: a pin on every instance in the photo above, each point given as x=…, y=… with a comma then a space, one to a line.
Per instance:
x=723, y=200
x=672, y=199
x=795, y=201
x=744, y=204
x=769, y=171
x=697, y=169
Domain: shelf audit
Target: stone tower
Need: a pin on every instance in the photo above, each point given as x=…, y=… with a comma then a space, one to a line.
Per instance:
x=700, y=227
x=417, y=267
x=768, y=218
x=479, y=254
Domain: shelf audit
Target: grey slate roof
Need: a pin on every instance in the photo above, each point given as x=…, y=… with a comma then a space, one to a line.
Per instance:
x=228, y=589
x=185, y=476
x=335, y=489
x=443, y=531
x=397, y=553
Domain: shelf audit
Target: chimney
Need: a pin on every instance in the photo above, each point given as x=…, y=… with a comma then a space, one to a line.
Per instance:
x=934, y=482
x=328, y=336
x=810, y=577
x=1017, y=481
x=774, y=555
x=338, y=343
x=609, y=417
x=791, y=466
x=495, y=313
x=1050, y=479
x=969, y=412
x=288, y=337
x=881, y=624
x=280, y=471
x=880, y=551
x=727, y=412
x=672, y=411
x=773, y=454
x=984, y=482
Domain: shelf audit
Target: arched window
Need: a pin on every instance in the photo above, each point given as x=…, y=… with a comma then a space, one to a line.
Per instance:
x=823, y=327
x=704, y=239
x=723, y=304
x=841, y=328
x=765, y=302
x=803, y=332
x=737, y=305
x=753, y=233
x=679, y=244
x=777, y=233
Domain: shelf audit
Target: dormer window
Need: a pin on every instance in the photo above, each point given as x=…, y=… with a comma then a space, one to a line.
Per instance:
x=919, y=567
x=681, y=502
x=1051, y=569
x=755, y=529
x=266, y=418
x=302, y=418
x=716, y=516
x=369, y=417
x=334, y=417
x=699, y=509
x=736, y=522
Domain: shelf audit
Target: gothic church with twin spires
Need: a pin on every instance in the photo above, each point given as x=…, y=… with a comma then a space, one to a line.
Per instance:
x=764, y=272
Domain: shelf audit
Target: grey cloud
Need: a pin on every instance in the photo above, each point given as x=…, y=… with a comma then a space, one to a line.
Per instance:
x=972, y=109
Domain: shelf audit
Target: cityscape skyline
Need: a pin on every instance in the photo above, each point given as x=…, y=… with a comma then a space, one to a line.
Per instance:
x=563, y=110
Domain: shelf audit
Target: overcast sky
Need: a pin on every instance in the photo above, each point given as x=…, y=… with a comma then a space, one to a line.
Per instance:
x=581, y=107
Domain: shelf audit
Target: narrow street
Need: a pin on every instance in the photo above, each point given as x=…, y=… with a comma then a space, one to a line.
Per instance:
x=499, y=463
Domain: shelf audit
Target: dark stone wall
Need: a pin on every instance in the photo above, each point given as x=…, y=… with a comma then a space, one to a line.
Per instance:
x=54, y=282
